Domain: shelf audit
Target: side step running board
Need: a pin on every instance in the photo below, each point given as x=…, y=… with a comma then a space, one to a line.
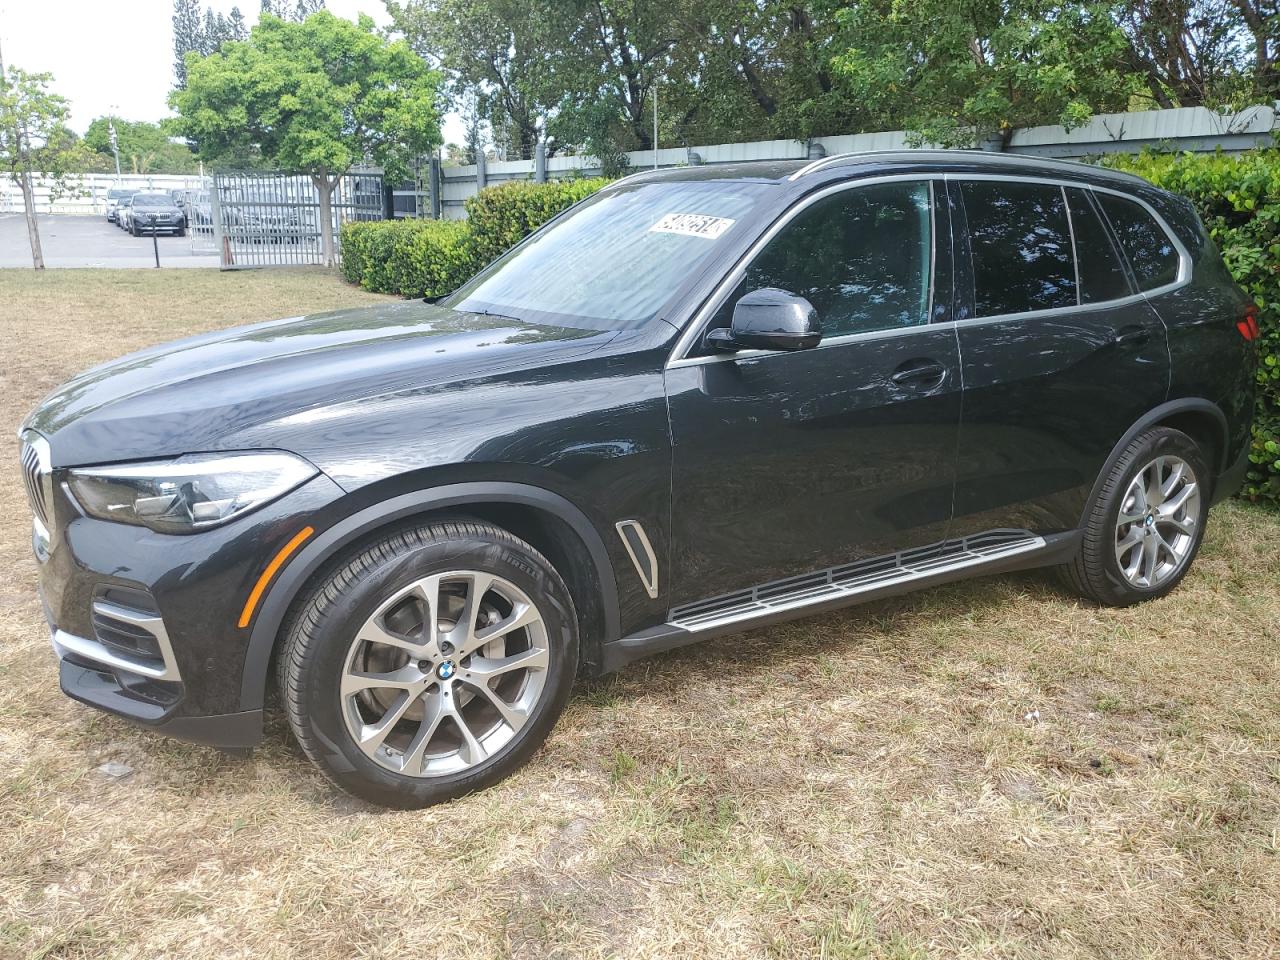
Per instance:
x=994, y=551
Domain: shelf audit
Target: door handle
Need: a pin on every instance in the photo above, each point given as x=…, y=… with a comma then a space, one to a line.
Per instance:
x=920, y=371
x=1133, y=336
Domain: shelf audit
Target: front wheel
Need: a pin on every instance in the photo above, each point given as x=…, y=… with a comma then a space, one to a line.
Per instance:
x=1145, y=527
x=431, y=664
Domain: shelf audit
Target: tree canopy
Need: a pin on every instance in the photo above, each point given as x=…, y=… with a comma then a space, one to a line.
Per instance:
x=35, y=139
x=316, y=96
x=144, y=147
x=582, y=74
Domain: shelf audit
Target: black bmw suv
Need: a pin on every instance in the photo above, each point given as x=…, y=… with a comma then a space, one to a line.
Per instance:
x=700, y=401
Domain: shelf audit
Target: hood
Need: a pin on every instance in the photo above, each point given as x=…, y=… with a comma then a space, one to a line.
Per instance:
x=188, y=395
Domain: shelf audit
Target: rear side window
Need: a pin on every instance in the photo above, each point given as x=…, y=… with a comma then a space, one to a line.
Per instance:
x=1021, y=244
x=862, y=256
x=1151, y=253
x=1102, y=274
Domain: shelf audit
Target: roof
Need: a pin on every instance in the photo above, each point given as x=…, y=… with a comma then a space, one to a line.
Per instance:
x=782, y=171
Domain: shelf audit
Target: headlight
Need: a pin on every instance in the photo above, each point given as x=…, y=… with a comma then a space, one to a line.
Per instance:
x=191, y=493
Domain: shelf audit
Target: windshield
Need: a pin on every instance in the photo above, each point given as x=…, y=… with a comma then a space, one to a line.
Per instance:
x=152, y=200
x=117, y=194
x=616, y=259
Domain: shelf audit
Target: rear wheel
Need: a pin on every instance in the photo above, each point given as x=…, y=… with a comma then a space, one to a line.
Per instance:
x=1145, y=528
x=432, y=664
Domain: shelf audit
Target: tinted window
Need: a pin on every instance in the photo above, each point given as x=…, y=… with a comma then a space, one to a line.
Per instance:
x=616, y=259
x=1102, y=275
x=861, y=256
x=1021, y=244
x=1150, y=251
x=152, y=200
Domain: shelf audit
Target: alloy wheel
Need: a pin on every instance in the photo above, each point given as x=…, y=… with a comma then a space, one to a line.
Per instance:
x=1156, y=527
x=445, y=673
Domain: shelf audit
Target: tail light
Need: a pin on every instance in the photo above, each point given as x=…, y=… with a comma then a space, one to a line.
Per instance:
x=1248, y=324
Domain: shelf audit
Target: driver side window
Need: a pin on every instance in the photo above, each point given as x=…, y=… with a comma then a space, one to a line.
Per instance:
x=862, y=256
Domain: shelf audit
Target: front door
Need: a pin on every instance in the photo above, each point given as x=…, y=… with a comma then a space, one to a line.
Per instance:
x=790, y=462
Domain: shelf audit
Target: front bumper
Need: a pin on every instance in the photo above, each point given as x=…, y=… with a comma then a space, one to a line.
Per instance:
x=145, y=625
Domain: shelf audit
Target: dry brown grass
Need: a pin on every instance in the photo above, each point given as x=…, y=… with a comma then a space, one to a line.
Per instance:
x=864, y=784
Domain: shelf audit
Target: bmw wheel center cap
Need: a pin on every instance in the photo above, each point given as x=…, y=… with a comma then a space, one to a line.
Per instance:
x=446, y=670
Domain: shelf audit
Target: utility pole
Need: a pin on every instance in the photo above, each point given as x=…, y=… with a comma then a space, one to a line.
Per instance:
x=655, y=123
x=115, y=145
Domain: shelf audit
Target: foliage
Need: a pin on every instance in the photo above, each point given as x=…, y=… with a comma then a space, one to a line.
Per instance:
x=959, y=73
x=432, y=257
x=319, y=95
x=316, y=96
x=144, y=147
x=35, y=139
x=203, y=34
x=416, y=258
x=1215, y=53
x=500, y=217
x=1239, y=200
x=495, y=51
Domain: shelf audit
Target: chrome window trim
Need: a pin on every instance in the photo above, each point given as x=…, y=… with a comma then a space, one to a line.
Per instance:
x=1075, y=251
x=688, y=338
x=650, y=585
x=1184, y=258
x=677, y=357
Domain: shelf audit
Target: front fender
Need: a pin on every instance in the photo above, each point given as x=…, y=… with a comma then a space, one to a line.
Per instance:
x=299, y=570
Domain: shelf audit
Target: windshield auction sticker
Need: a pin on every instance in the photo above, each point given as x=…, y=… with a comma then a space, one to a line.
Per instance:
x=692, y=225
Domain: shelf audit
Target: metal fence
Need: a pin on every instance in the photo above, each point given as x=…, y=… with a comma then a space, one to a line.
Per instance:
x=273, y=219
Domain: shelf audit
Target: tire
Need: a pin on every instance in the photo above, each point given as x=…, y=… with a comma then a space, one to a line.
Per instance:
x=338, y=633
x=1114, y=566
x=135, y=231
x=180, y=232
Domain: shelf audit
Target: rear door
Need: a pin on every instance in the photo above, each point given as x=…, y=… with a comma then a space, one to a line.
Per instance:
x=791, y=462
x=1060, y=353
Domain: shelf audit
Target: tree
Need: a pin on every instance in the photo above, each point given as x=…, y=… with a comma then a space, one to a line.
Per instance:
x=959, y=73
x=202, y=33
x=188, y=35
x=317, y=97
x=34, y=139
x=500, y=53
x=1203, y=52
x=144, y=147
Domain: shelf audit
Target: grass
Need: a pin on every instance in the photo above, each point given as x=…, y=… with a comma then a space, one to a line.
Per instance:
x=992, y=769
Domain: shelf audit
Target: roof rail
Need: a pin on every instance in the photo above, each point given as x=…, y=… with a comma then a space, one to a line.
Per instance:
x=821, y=162
x=1010, y=159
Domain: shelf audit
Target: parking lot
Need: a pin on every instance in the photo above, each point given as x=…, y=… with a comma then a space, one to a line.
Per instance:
x=71, y=241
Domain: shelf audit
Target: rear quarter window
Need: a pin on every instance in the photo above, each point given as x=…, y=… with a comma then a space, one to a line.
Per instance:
x=1149, y=249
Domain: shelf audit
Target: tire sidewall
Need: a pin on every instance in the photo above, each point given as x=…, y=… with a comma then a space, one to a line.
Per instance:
x=322, y=666
x=1162, y=442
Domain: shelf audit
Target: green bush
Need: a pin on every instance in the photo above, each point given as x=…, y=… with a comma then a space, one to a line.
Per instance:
x=427, y=258
x=1239, y=200
x=500, y=217
x=415, y=258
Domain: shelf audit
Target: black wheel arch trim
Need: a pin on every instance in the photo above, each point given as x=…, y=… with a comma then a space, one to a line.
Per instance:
x=280, y=597
x=1152, y=418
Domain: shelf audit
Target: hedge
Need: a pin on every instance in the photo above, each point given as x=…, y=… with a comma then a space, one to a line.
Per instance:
x=427, y=258
x=1239, y=200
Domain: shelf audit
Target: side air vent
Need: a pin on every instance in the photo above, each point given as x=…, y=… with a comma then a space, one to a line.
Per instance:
x=641, y=553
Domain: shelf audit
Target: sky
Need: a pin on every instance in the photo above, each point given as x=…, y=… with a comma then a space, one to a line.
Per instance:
x=83, y=44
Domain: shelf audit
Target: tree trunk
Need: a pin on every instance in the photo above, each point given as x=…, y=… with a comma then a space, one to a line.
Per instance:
x=324, y=186
x=33, y=228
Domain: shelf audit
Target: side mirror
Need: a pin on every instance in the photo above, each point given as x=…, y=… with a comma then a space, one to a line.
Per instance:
x=769, y=319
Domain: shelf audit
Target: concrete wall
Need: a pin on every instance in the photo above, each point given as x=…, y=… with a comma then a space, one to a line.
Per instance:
x=89, y=193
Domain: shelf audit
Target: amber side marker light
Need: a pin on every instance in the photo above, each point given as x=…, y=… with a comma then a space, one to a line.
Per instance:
x=270, y=571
